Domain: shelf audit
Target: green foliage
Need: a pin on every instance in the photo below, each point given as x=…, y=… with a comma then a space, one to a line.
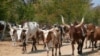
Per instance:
x=97, y=15
x=49, y=11
x=71, y=9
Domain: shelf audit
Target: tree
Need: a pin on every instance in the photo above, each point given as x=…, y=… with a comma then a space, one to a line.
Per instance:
x=72, y=10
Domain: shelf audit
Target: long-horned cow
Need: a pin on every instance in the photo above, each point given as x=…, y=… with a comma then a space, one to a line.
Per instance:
x=90, y=34
x=30, y=29
x=93, y=33
x=52, y=36
x=77, y=34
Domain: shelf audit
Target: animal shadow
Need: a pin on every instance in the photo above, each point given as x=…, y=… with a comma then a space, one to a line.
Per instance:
x=37, y=51
x=89, y=52
x=67, y=55
x=85, y=53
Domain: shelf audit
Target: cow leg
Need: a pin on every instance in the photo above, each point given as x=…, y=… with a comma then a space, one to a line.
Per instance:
x=59, y=51
x=24, y=47
x=95, y=44
x=33, y=44
x=92, y=45
x=35, y=47
x=37, y=37
x=81, y=46
x=55, y=51
x=37, y=40
x=32, y=49
x=78, y=48
x=43, y=42
x=61, y=39
x=73, y=47
x=86, y=43
x=52, y=51
x=47, y=49
x=99, y=44
x=14, y=43
x=13, y=40
x=44, y=45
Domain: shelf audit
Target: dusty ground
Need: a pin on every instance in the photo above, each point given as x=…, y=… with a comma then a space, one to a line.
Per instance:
x=6, y=49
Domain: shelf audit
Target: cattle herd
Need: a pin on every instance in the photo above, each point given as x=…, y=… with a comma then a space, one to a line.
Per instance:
x=53, y=37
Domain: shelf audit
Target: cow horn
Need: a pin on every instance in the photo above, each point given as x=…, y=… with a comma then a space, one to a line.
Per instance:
x=62, y=19
x=82, y=21
x=63, y=22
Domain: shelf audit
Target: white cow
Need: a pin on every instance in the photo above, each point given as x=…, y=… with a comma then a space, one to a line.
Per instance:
x=30, y=27
x=13, y=33
x=31, y=30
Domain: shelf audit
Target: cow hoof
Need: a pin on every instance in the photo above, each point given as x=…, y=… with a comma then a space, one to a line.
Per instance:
x=59, y=54
x=95, y=46
x=92, y=49
x=89, y=47
x=72, y=54
x=85, y=47
x=52, y=55
x=55, y=54
x=31, y=50
x=80, y=52
x=23, y=52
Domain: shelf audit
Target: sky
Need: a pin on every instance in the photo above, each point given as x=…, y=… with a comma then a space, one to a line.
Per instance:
x=96, y=2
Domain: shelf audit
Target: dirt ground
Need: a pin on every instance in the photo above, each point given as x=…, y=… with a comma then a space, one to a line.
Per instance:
x=6, y=49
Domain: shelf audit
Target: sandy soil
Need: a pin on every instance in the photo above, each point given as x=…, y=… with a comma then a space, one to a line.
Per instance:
x=6, y=49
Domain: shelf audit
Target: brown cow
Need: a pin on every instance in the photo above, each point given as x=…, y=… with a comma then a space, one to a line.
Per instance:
x=96, y=35
x=52, y=36
x=90, y=32
x=77, y=34
x=93, y=35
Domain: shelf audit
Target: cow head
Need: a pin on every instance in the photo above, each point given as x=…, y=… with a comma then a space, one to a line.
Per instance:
x=73, y=28
x=90, y=29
